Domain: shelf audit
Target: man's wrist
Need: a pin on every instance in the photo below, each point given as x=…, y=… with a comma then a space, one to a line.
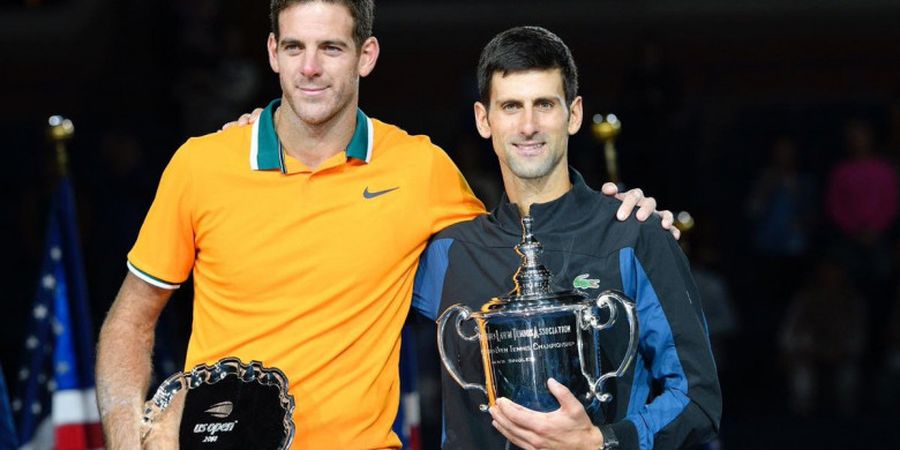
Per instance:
x=610, y=441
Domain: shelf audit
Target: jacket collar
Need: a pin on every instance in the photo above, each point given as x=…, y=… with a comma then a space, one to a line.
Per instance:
x=555, y=214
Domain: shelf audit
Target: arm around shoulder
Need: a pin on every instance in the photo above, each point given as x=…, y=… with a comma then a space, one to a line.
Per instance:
x=123, y=359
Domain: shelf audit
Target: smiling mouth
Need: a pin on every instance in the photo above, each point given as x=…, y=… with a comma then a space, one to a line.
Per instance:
x=312, y=90
x=529, y=148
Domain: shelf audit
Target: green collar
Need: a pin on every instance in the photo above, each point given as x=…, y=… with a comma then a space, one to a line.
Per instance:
x=265, y=148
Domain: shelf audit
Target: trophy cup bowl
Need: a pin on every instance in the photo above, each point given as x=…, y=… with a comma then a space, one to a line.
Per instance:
x=534, y=334
x=228, y=405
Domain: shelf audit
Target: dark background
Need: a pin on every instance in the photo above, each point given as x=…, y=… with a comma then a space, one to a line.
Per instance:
x=704, y=89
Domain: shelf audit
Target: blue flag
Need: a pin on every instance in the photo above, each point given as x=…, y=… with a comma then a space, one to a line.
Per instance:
x=8, y=439
x=55, y=403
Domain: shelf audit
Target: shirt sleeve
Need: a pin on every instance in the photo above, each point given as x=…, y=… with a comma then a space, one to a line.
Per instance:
x=674, y=344
x=428, y=289
x=164, y=252
x=451, y=200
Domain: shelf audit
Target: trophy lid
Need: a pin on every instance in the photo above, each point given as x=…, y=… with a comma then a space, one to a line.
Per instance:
x=532, y=277
x=532, y=280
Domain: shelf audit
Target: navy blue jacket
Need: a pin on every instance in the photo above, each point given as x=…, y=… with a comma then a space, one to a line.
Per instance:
x=669, y=398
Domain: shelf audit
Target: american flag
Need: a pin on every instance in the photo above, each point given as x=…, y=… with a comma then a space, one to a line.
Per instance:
x=54, y=405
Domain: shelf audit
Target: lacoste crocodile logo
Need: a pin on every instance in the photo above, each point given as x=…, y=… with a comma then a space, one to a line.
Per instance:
x=370, y=195
x=583, y=282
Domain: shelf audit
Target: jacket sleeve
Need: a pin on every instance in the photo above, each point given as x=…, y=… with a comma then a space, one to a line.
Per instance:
x=428, y=287
x=675, y=399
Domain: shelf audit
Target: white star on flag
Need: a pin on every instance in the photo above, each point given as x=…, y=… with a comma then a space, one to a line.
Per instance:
x=49, y=282
x=40, y=312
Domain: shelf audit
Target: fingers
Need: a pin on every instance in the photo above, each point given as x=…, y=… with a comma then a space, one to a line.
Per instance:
x=516, y=435
x=229, y=125
x=629, y=200
x=245, y=119
x=519, y=417
x=609, y=188
x=254, y=116
x=507, y=426
x=667, y=219
x=647, y=207
x=567, y=427
x=567, y=401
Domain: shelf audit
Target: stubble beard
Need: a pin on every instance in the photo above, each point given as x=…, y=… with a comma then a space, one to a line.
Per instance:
x=532, y=170
x=316, y=112
x=313, y=113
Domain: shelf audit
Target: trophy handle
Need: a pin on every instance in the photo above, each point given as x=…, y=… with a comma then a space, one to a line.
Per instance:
x=464, y=314
x=589, y=320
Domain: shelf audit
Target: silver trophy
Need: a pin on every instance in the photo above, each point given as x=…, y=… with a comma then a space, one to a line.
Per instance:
x=533, y=334
x=229, y=405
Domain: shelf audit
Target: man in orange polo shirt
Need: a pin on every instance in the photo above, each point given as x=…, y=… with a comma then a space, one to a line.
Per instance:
x=303, y=234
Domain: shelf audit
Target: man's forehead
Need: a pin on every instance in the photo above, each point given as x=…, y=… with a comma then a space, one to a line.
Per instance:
x=531, y=83
x=317, y=20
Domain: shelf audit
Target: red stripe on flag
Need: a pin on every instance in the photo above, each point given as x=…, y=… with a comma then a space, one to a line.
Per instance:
x=415, y=441
x=79, y=436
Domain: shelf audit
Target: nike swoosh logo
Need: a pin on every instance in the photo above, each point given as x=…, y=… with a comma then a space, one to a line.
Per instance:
x=369, y=195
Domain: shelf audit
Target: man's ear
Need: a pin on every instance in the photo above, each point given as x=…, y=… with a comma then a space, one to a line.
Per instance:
x=481, y=120
x=272, y=47
x=368, y=56
x=576, y=115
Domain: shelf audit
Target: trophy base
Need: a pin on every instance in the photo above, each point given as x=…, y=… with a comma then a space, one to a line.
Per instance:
x=232, y=414
x=229, y=405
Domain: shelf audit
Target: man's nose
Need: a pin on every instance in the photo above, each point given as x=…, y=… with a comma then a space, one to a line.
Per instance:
x=310, y=66
x=528, y=125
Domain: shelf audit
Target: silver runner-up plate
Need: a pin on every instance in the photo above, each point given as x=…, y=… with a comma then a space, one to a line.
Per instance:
x=228, y=405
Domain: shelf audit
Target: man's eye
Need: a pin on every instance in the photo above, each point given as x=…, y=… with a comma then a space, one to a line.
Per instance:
x=331, y=49
x=510, y=106
x=545, y=105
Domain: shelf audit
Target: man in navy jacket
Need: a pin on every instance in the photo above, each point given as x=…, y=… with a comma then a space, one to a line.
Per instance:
x=670, y=397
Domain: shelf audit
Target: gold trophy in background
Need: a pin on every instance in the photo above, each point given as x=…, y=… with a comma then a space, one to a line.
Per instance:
x=605, y=130
x=59, y=131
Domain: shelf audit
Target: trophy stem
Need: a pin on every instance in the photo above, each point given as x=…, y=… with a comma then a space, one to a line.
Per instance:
x=612, y=167
x=532, y=278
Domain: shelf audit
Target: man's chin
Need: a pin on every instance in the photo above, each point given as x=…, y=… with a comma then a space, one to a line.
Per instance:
x=530, y=173
x=314, y=117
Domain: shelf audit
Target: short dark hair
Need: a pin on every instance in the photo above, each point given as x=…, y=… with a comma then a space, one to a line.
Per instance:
x=362, y=11
x=526, y=48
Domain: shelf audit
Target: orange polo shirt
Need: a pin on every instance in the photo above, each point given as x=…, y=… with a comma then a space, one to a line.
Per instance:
x=310, y=271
